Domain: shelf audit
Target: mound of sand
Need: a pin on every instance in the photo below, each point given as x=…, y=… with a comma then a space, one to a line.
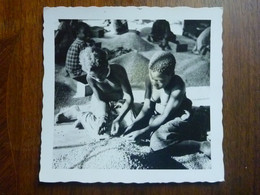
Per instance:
x=128, y=40
x=136, y=67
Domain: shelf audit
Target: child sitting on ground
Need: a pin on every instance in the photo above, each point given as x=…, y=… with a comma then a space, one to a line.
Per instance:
x=166, y=112
x=112, y=95
x=72, y=65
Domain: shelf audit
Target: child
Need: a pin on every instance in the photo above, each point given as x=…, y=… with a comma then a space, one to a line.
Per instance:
x=166, y=111
x=72, y=66
x=162, y=34
x=111, y=89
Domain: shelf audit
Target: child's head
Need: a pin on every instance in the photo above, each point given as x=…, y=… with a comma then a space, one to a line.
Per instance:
x=161, y=69
x=94, y=62
x=83, y=31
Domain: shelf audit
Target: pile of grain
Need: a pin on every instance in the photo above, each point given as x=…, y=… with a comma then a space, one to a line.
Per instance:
x=193, y=69
x=136, y=67
x=128, y=40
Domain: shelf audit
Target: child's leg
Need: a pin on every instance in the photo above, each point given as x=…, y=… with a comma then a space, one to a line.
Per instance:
x=190, y=147
x=171, y=136
x=98, y=108
x=116, y=109
x=91, y=119
x=168, y=134
x=131, y=115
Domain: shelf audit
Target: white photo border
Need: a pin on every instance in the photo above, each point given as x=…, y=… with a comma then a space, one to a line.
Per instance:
x=215, y=174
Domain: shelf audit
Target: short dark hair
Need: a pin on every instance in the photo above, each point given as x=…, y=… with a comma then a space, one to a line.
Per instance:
x=84, y=26
x=163, y=62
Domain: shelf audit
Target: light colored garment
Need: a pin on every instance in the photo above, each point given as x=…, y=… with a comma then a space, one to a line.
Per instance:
x=91, y=119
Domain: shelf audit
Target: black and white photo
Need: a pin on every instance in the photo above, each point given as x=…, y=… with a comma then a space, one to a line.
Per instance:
x=132, y=96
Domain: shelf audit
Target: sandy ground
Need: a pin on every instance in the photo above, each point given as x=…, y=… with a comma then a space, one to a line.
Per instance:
x=73, y=148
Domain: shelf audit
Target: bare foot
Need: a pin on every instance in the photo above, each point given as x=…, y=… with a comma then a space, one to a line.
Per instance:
x=68, y=115
x=78, y=125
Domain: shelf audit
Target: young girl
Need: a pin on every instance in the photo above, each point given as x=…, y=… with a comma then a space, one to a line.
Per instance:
x=111, y=90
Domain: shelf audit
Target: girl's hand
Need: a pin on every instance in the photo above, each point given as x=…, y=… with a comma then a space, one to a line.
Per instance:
x=102, y=129
x=102, y=124
x=115, y=128
x=134, y=136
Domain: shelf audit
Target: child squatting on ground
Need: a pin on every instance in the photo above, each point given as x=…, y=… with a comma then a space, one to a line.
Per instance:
x=112, y=95
x=166, y=112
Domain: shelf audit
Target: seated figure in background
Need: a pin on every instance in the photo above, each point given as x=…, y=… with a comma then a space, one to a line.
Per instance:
x=161, y=34
x=72, y=64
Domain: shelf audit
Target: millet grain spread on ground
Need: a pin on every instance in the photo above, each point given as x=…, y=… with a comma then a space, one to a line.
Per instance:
x=116, y=153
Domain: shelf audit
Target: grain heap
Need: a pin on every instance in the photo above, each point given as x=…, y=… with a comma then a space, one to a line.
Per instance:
x=136, y=67
x=128, y=40
x=194, y=70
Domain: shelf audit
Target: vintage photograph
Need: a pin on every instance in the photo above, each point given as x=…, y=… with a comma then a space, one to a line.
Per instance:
x=132, y=94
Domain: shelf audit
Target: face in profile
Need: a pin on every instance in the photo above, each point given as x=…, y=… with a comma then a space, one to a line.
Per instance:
x=94, y=63
x=159, y=80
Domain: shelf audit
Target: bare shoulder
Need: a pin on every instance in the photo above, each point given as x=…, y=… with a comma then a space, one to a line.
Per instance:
x=117, y=67
x=118, y=70
x=177, y=84
x=178, y=80
x=148, y=88
x=148, y=82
